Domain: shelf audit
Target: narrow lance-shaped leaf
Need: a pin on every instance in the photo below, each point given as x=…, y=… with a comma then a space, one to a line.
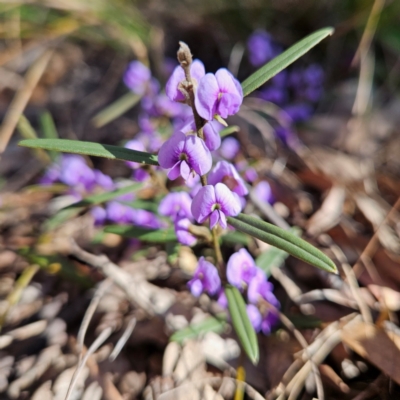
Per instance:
x=91, y=149
x=242, y=324
x=115, y=109
x=282, y=61
x=283, y=240
x=211, y=324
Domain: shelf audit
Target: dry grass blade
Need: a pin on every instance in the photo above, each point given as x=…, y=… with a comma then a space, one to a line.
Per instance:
x=96, y=344
x=124, y=338
x=21, y=99
x=101, y=290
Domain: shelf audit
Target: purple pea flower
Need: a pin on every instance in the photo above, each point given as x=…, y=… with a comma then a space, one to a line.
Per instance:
x=211, y=132
x=205, y=279
x=229, y=148
x=276, y=95
x=250, y=174
x=215, y=202
x=226, y=173
x=172, y=88
x=75, y=172
x=269, y=320
x=263, y=192
x=51, y=175
x=255, y=316
x=182, y=232
x=144, y=218
x=137, y=77
x=240, y=269
x=103, y=180
x=184, y=155
x=260, y=288
x=219, y=94
x=176, y=206
x=261, y=48
x=99, y=215
x=119, y=213
x=298, y=112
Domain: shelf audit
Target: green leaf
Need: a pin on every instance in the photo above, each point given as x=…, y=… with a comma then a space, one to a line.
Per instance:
x=104, y=197
x=48, y=126
x=91, y=149
x=283, y=240
x=242, y=324
x=282, y=61
x=116, y=109
x=144, y=234
x=274, y=257
x=236, y=237
x=228, y=130
x=211, y=324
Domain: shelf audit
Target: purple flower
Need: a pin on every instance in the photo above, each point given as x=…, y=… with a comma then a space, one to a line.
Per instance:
x=273, y=94
x=260, y=288
x=205, y=279
x=240, y=269
x=219, y=94
x=269, y=320
x=313, y=75
x=137, y=77
x=119, y=213
x=182, y=232
x=103, y=180
x=255, y=316
x=99, y=215
x=51, y=175
x=184, y=155
x=298, y=112
x=166, y=107
x=172, y=88
x=261, y=48
x=250, y=174
x=229, y=148
x=211, y=131
x=215, y=202
x=222, y=300
x=176, y=205
x=263, y=192
x=226, y=173
x=144, y=218
x=75, y=172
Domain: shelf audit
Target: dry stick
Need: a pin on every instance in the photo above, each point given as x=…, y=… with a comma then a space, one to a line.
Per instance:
x=354, y=287
x=124, y=338
x=21, y=99
x=300, y=338
x=185, y=59
x=325, y=336
x=296, y=384
x=101, y=290
x=372, y=245
x=96, y=344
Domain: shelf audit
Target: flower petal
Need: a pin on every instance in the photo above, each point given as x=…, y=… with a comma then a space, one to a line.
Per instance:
x=211, y=132
x=171, y=149
x=199, y=157
x=171, y=88
x=207, y=96
x=185, y=170
x=214, y=218
x=175, y=171
x=202, y=203
x=229, y=203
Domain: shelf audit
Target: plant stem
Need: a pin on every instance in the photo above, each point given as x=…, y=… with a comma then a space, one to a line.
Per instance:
x=185, y=59
x=218, y=254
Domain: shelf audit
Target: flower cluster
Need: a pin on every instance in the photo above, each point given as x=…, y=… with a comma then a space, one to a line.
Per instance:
x=242, y=273
x=82, y=180
x=295, y=90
